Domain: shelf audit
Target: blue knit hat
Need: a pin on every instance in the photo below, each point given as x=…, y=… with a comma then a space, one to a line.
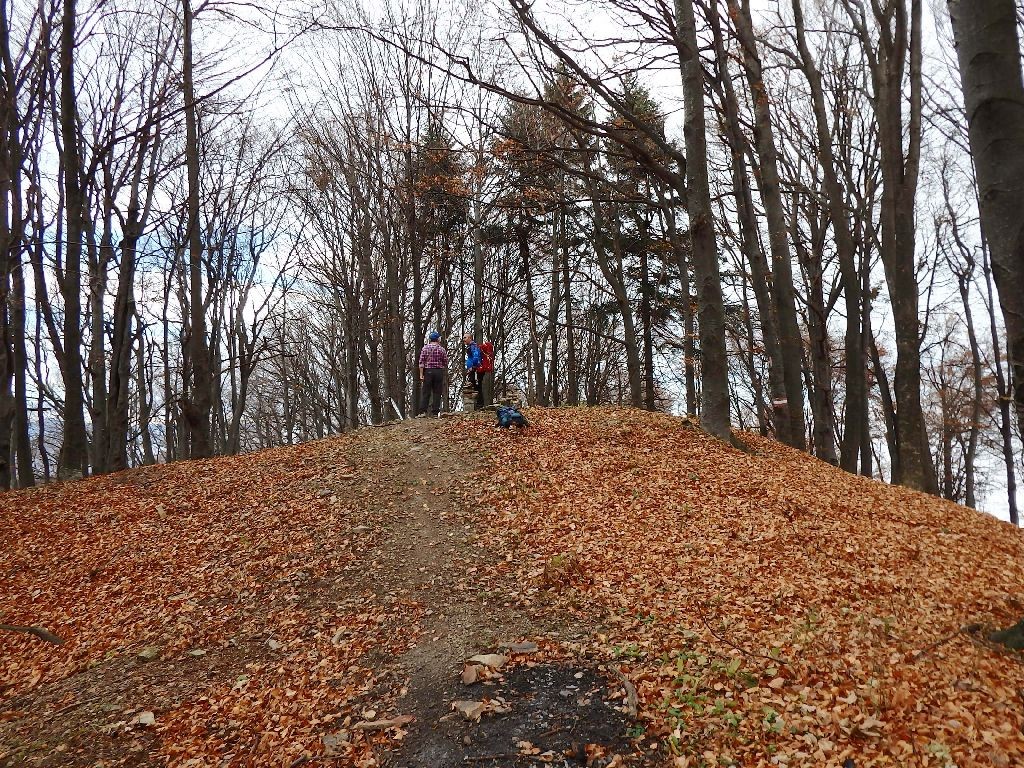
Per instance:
x=434, y=335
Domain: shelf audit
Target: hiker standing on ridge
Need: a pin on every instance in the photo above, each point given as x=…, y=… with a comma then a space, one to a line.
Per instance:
x=473, y=361
x=485, y=372
x=433, y=365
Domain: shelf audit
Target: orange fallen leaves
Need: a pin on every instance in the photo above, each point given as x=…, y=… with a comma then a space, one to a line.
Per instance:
x=226, y=578
x=766, y=609
x=770, y=609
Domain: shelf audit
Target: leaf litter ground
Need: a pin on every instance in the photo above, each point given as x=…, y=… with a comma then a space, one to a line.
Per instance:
x=309, y=605
x=768, y=608
x=312, y=605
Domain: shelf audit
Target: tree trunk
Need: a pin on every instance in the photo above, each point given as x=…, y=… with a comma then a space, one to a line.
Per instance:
x=74, y=450
x=351, y=368
x=198, y=408
x=686, y=309
x=13, y=352
x=171, y=444
x=121, y=355
x=143, y=389
x=895, y=66
x=646, y=321
x=855, y=409
x=552, y=330
x=946, y=451
x=750, y=246
x=478, y=275
x=756, y=386
x=711, y=306
x=783, y=291
x=554, y=303
x=7, y=407
x=888, y=407
x=571, y=364
x=612, y=273
x=822, y=403
x=535, y=363
x=866, y=447
x=394, y=340
x=1002, y=390
x=44, y=454
x=371, y=372
x=22, y=441
x=415, y=248
x=976, y=378
x=123, y=339
x=988, y=50
x=99, y=260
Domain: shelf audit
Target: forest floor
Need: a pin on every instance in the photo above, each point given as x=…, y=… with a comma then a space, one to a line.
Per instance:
x=634, y=592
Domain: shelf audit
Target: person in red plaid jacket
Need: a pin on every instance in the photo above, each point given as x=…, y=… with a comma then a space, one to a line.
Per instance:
x=433, y=366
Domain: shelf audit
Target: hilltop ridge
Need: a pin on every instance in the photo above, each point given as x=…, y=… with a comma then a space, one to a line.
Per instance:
x=742, y=608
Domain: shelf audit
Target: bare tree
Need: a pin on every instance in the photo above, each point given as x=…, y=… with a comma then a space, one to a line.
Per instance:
x=74, y=452
x=713, y=361
x=988, y=50
x=198, y=405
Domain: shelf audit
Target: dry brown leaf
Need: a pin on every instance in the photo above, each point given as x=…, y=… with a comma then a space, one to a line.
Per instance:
x=471, y=710
x=492, y=660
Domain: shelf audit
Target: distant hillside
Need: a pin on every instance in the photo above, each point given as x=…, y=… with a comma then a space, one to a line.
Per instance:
x=313, y=605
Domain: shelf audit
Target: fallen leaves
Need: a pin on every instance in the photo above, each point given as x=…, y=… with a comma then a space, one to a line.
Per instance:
x=527, y=646
x=474, y=710
x=768, y=608
x=762, y=609
x=471, y=710
x=483, y=666
x=491, y=660
x=143, y=719
x=470, y=674
x=232, y=583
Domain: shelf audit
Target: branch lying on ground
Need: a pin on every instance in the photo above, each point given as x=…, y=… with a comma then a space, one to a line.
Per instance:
x=39, y=632
x=632, y=700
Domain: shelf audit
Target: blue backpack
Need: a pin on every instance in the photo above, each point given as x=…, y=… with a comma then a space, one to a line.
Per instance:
x=508, y=417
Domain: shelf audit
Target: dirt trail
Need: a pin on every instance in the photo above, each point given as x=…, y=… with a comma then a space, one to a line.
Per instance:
x=394, y=508
x=430, y=549
x=434, y=546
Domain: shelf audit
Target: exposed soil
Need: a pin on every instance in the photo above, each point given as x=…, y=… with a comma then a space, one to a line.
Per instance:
x=555, y=708
x=556, y=714
x=417, y=542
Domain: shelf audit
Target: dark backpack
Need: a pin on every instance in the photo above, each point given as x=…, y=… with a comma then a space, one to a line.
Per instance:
x=509, y=417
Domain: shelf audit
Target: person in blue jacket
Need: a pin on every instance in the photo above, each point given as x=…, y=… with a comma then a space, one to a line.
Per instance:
x=474, y=359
